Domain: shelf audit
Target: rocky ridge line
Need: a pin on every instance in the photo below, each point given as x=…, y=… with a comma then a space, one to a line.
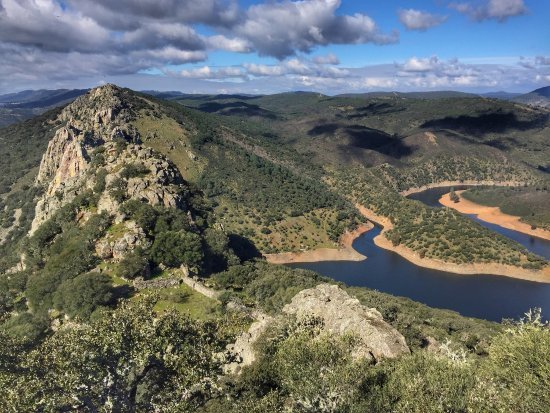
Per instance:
x=97, y=125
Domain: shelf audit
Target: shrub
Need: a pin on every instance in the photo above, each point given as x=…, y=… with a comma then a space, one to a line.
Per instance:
x=174, y=248
x=79, y=297
x=134, y=170
x=132, y=266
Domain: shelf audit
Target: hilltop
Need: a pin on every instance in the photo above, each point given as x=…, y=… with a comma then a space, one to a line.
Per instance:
x=539, y=97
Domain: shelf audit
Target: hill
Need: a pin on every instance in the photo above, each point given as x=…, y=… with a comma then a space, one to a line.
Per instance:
x=15, y=107
x=130, y=276
x=440, y=94
x=539, y=97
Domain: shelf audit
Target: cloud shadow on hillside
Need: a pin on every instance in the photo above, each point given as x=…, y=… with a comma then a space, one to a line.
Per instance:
x=236, y=109
x=362, y=137
x=486, y=123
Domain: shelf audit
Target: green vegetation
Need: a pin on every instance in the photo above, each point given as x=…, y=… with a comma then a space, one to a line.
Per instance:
x=438, y=233
x=129, y=359
x=529, y=203
x=264, y=195
x=22, y=147
x=76, y=336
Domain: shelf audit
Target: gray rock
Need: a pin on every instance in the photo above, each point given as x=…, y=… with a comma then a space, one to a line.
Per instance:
x=342, y=314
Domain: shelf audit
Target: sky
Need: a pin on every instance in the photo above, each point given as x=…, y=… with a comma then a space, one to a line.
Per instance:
x=271, y=46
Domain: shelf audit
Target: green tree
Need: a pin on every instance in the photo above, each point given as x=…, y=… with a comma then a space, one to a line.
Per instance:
x=174, y=248
x=80, y=296
x=516, y=375
x=129, y=360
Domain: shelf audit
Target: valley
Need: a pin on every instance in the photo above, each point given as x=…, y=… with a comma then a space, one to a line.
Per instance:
x=127, y=217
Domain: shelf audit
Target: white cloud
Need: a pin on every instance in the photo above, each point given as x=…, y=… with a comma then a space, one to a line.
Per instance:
x=234, y=44
x=329, y=59
x=280, y=29
x=419, y=20
x=206, y=72
x=420, y=65
x=298, y=67
x=499, y=10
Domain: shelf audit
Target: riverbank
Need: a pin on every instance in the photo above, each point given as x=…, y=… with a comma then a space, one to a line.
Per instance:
x=344, y=253
x=443, y=184
x=542, y=276
x=493, y=215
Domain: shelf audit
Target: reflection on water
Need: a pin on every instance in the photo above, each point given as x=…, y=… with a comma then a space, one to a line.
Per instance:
x=485, y=296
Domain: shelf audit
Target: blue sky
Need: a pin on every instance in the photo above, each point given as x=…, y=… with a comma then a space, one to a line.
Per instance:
x=330, y=46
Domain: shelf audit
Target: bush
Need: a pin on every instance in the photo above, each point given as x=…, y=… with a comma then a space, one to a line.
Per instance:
x=174, y=248
x=79, y=297
x=134, y=170
x=516, y=375
x=132, y=266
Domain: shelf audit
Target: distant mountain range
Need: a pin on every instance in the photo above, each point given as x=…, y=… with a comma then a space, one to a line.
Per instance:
x=538, y=97
x=16, y=107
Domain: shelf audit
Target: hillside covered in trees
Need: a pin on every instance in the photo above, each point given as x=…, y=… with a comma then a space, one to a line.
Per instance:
x=131, y=255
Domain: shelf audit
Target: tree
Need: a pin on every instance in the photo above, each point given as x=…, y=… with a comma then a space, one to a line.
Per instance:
x=516, y=375
x=79, y=297
x=133, y=265
x=174, y=248
x=453, y=196
x=129, y=360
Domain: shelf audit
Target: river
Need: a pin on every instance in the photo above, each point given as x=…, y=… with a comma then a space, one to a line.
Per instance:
x=490, y=297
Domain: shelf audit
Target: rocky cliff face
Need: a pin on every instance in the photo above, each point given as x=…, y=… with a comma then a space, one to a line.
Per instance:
x=97, y=125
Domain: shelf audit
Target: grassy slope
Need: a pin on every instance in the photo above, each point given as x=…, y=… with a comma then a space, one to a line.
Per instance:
x=423, y=140
x=260, y=192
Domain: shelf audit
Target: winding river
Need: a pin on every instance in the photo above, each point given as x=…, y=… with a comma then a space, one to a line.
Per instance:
x=490, y=297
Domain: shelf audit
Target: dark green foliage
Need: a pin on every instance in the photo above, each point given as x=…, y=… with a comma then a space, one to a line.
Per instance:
x=97, y=159
x=79, y=297
x=70, y=255
x=134, y=171
x=117, y=189
x=133, y=265
x=453, y=196
x=22, y=147
x=218, y=254
x=268, y=285
x=26, y=327
x=100, y=183
x=174, y=248
x=142, y=213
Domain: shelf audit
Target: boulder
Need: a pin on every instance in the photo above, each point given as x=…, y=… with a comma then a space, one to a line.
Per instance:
x=342, y=314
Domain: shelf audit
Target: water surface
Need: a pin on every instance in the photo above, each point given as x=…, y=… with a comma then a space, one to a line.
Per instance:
x=491, y=297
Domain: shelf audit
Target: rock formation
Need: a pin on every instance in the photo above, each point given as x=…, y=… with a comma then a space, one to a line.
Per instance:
x=98, y=125
x=340, y=315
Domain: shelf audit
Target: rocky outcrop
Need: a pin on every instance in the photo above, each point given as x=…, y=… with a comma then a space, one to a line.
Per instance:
x=342, y=314
x=116, y=248
x=338, y=313
x=97, y=124
x=241, y=353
